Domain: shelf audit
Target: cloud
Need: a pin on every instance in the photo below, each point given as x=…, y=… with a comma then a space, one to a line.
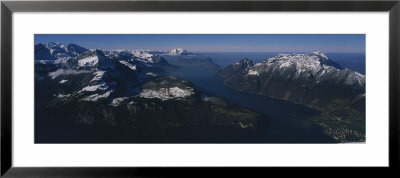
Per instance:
x=59, y=72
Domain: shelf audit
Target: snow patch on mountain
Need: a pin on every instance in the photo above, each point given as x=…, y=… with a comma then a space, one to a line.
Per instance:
x=285, y=64
x=63, y=81
x=63, y=96
x=242, y=125
x=131, y=55
x=167, y=93
x=89, y=61
x=257, y=64
x=355, y=77
x=131, y=66
x=141, y=54
x=96, y=96
x=177, y=51
x=151, y=74
x=253, y=72
x=180, y=93
x=117, y=101
x=101, y=86
x=98, y=75
x=152, y=59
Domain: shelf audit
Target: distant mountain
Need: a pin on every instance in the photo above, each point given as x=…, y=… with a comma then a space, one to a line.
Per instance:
x=162, y=59
x=192, y=60
x=144, y=63
x=178, y=51
x=309, y=79
x=43, y=53
x=53, y=51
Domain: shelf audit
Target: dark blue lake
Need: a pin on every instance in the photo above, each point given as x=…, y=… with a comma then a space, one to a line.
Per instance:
x=289, y=123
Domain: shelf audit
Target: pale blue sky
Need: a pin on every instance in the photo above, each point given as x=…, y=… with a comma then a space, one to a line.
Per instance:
x=216, y=43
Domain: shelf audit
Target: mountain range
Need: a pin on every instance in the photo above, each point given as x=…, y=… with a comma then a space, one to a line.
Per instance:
x=126, y=88
x=310, y=79
x=133, y=88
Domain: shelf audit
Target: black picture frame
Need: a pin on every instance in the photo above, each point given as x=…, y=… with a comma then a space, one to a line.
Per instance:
x=8, y=7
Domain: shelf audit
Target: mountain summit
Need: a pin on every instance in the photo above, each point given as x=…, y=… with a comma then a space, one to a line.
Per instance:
x=236, y=68
x=296, y=77
x=312, y=62
x=178, y=51
x=56, y=50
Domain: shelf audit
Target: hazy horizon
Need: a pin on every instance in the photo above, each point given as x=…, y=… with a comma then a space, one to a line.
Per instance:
x=277, y=43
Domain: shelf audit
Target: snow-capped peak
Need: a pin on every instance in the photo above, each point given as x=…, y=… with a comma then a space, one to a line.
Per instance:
x=316, y=65
x=95, y=58
x=57, y=51
x=54, y=44
x=313, y=62
x=141, y=54
x=177, y=51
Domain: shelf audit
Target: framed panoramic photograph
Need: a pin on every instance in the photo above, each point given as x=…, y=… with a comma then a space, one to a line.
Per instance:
x=103, y=88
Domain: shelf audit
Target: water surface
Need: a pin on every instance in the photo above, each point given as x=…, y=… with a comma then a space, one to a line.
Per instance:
x=288, y=122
